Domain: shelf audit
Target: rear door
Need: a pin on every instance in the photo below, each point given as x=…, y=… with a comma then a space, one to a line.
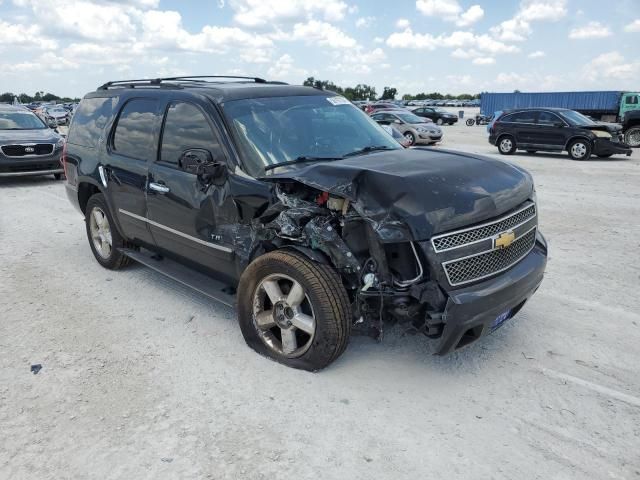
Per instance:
x=188, y=218
x=521, y=125
x=132, y=143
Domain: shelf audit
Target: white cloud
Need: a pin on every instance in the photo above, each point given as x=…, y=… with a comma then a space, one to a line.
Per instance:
x=633, y=26
x=514, y=80
x=457, y=40
x=359, y=61
x=611, y=66
x=451, y=11
x=590, y=30
x=518, y=28
x=24, y=35
x=365, y=22
x=402, y=23
x=254, y=13
x=284, y=69
x=484, y=61
x=318, y=33
x=537, y=54
x=378, y=40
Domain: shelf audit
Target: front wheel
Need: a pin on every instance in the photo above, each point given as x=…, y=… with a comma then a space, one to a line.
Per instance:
x=294, y=310
x=470, y=122
x=411, y=138
x=507, y=145
x=104, y=239
x=632, y=137
x=439, y=121
x=579, y=149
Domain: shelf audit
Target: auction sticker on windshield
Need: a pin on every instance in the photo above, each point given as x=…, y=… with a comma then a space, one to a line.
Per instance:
x=338, y=101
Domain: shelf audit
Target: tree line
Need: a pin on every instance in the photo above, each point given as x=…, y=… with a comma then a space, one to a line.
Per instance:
x=366, y=92
x=41, y=96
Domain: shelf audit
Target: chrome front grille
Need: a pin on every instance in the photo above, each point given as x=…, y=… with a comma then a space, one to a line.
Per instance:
x=461, y=238
x=484, y=264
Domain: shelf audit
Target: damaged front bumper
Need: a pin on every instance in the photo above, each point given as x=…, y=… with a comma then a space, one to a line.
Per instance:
x=605, y=147
x=474, y=311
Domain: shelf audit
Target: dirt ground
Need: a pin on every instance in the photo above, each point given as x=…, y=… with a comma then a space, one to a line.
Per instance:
x=144, y=379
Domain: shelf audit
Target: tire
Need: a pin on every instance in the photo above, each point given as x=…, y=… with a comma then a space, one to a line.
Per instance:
x=411, y=138
x=632, y=136
x=57, y=176
x=323, y=338
x=506, y=145
x=99, y=234
x=450, y=123
x=470, y=122
x=439, y=121
x=579, y=149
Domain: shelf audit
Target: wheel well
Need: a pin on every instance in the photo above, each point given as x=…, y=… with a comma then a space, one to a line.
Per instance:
x=502, y=136
x=85, y=192
x=632, y=123
x=579, y=137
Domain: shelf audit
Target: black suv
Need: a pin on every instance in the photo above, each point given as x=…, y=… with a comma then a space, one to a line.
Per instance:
x=292, y=204
x=556, y=129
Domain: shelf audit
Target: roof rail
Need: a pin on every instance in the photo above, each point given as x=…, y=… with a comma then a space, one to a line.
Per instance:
x=158, y=82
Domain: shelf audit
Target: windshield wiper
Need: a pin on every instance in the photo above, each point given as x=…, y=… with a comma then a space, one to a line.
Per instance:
x=364, y=150
x=300, y=159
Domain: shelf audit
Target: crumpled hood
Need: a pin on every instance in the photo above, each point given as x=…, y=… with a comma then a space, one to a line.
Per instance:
x=413, y=194
x=612, y=128
x=42, y=135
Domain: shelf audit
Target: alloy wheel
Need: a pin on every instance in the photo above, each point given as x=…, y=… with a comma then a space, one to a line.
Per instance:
x=100, y=232
x=283, y=315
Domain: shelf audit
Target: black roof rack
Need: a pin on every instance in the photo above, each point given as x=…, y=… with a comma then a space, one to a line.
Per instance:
x=167, y=81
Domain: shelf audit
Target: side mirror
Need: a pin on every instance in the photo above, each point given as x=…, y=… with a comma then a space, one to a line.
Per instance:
x=212, y=173
x=191, y=160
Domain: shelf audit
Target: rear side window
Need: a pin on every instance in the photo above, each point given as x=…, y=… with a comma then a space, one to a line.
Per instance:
x=133, y=136
x=520, y=117
x=186, y=127
x=548, y=118
x=90, y=119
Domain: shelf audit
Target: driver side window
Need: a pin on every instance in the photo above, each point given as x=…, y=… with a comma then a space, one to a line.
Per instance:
x=185, y=128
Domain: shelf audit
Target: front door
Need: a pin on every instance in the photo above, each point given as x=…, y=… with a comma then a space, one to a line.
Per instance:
x=132, y=143
x=187, y=217
x=550, y=131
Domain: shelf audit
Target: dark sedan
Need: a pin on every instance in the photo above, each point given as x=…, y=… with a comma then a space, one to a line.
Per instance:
x=438, y=115
x=27, y=145
x=556, y=129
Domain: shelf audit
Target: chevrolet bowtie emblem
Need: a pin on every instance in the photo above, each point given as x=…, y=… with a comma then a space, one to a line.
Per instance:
x=504, y=239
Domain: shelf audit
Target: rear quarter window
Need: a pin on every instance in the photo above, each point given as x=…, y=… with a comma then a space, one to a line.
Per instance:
x=90, y=119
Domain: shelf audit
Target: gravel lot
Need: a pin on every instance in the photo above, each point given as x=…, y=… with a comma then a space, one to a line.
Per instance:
x=144, y=379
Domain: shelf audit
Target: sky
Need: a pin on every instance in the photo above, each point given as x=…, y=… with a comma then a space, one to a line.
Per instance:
x=70, y=47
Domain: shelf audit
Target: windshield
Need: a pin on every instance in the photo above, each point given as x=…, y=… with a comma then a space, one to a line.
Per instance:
x=577, y=119
x=409, y=118
x=20, y=121
x=275, y=130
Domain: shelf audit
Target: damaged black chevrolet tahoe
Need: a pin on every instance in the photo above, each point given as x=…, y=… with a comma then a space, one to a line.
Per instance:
x=292, y=204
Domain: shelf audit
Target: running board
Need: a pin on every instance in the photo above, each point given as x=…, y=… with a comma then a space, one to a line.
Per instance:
x=193, y=279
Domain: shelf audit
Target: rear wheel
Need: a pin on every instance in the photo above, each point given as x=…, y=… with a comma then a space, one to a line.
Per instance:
x=470, y=122
x=506, y=145
x=632, y=137
x=294, y=310
x=104, y=239
x=579, y=149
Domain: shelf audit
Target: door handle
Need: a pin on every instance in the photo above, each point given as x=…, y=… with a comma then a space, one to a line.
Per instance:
x=158, y=187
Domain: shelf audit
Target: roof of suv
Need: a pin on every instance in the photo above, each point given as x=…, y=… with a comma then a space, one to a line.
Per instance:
x=219, y=91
